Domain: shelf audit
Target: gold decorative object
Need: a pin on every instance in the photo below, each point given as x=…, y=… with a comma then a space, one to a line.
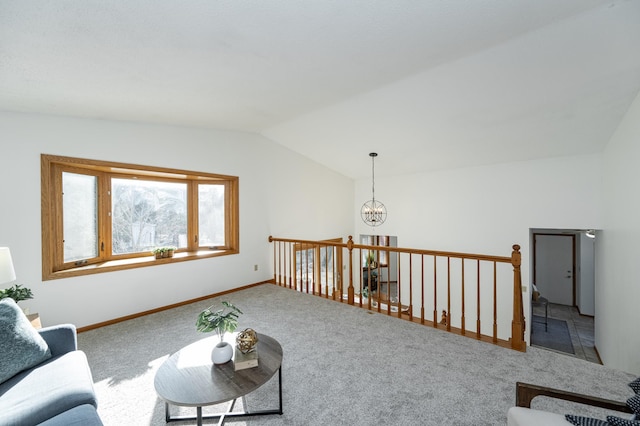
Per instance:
x=444, y=317
x=246, y=340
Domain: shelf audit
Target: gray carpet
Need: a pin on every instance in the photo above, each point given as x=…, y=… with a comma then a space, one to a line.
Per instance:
x=556, y=336
x=342, y=365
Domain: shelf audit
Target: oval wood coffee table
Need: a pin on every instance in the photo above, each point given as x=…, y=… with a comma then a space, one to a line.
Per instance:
x=189, y=378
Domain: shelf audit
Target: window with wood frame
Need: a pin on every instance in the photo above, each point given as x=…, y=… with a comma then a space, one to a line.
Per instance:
x=100, y=216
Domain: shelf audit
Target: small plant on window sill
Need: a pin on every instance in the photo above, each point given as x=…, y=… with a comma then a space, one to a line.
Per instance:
x=162, y=252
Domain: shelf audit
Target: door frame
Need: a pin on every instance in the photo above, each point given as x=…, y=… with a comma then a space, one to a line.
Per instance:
x=573, y=259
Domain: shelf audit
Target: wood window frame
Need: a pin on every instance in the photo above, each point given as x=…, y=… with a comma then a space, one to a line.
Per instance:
x=52, y=166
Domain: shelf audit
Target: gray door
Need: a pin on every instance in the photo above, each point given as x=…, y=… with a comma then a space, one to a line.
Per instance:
x=554, y=270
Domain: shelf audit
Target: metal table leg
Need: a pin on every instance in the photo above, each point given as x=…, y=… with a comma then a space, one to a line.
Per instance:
x=222, y=416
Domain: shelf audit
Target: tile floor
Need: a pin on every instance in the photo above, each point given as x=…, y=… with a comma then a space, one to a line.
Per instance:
x=580, y=329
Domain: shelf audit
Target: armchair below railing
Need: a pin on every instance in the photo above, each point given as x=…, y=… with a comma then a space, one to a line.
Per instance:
x=473, y=295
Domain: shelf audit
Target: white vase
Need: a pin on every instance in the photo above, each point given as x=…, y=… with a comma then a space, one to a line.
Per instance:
x=222, y=353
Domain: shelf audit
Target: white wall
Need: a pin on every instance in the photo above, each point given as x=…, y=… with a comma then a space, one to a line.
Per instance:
x=281, y=194
x=482, y=209
x=487, y=209
x=586, y=274
x=618, y=250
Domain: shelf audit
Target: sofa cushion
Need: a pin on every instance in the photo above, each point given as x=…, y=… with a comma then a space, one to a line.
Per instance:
x=619, y=421
x=51, y=388
x=635, y=385
x=82, y=415
x=22, y=346
x=520, y=416
x=634, y=404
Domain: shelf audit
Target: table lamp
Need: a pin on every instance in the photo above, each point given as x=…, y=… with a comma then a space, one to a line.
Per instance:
x=7, y=273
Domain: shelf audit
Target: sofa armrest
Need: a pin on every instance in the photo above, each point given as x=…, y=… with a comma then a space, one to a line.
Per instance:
x=525, y=392
x=61, y=338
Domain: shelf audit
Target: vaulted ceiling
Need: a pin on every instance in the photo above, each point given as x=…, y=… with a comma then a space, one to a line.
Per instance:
x=428, y=84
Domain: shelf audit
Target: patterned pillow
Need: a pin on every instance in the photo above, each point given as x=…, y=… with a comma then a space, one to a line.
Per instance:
x=584, y=421
x=635, y=385
x=634, y=404
x=22, y=346
x=618, y=421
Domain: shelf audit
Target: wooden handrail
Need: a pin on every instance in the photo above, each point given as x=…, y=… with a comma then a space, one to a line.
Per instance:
x=452, y=254
x=294, y=272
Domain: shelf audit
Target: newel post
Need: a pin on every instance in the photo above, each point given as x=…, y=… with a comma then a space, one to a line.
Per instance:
x=350, y=291
x=517, y=325
x=275, y=281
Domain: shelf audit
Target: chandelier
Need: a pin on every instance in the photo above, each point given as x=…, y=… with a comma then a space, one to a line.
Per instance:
x=373, y=212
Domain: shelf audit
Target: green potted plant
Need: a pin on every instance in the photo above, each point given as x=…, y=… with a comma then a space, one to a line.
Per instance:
x=157, y=252
x=371, y=260
x=221, y=321
x=17, y=293
x=365, y=292
x=165, y=251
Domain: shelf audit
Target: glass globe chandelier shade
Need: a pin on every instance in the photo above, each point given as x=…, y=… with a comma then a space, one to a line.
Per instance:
x=373, y=212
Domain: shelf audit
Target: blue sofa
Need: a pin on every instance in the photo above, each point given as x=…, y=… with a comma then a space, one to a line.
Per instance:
x=57, y=391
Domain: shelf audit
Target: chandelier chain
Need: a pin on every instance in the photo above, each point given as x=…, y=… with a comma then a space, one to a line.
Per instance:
x=373, y=177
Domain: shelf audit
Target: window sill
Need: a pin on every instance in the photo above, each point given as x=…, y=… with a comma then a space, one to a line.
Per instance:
x=137, y=262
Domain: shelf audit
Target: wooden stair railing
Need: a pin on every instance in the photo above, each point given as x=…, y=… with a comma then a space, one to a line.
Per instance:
x=442, y=283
